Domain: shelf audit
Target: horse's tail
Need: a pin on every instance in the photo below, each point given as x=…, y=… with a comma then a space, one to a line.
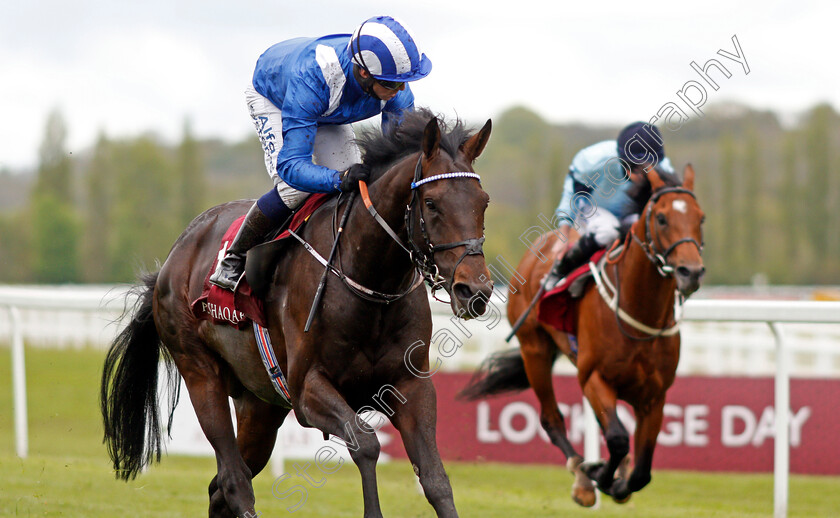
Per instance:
x=128, y=393
x=501, y=372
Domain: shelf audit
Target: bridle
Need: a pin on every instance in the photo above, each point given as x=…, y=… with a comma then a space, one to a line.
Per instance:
x=423, y=260
x=649, y=246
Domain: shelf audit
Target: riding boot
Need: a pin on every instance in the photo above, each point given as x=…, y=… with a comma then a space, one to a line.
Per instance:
x=253, y=231
x=575, y=256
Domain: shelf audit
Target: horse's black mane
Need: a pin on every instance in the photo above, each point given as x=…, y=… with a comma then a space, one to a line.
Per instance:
x=381, y=150
x=642, y=193
x=669, y=179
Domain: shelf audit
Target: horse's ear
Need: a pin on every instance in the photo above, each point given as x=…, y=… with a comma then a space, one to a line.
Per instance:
x=431, y=138
x=475, y=144
x=656, y=182
x=688, y=177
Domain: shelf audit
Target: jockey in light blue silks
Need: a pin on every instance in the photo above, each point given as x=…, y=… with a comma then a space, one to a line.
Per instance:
x=605, y=190
x=305, y=93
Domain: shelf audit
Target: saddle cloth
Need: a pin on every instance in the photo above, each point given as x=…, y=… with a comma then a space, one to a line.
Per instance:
x=554, y=307
x=238, y=309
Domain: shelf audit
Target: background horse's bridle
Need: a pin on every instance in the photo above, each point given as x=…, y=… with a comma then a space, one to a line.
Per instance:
x=649, y=246
x=658, y=258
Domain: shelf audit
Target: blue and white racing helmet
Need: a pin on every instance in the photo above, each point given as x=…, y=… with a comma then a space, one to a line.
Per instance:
x=388, y=51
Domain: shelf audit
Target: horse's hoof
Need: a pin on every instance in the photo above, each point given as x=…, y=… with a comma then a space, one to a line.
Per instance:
x=583, y=497
x=622, y=500
x=620, y=493
x=592, y=469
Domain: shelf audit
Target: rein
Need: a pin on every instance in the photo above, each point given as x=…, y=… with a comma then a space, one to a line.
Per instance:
x=425, y=267
x=355, y=287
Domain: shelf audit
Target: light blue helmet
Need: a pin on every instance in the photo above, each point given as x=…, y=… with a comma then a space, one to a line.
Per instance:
x=387, y=50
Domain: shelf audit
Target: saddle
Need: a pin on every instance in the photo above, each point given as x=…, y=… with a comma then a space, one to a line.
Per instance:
x=245, y=305
x=554, y=307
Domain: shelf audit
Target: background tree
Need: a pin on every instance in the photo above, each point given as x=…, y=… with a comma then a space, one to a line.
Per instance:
x=55, y=223
x=191, y=182
x=770, y=194
x=99, y=203
x=145, y=208
x=819, y=194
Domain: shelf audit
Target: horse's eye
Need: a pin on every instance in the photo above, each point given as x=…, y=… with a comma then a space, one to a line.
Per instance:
x=430, y=204
x=660, y=218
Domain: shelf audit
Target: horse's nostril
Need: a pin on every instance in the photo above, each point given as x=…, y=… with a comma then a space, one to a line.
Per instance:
x=463, y=291
x=682, y=271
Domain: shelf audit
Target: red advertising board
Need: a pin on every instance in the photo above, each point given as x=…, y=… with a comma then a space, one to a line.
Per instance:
x=711, y=423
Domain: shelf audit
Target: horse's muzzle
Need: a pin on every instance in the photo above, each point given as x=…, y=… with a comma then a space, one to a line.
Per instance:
x=469, y=300
x=688, y=278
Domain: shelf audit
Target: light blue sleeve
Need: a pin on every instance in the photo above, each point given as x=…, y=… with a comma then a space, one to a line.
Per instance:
x=564, y=214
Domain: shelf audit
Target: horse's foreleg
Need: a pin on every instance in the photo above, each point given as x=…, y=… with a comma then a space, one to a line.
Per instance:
x=648, y=424
x=603, y=398
x=415, y=416
x=320, y=405
x=210, y=401
x=256, y=433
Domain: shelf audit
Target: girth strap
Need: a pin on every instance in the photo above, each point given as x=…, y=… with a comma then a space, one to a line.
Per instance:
x=279, y=382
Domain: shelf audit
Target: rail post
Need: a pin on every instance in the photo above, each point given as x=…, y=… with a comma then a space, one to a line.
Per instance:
x=19, y=385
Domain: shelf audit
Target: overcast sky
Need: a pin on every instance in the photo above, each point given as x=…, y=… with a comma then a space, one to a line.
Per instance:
x=129, y=67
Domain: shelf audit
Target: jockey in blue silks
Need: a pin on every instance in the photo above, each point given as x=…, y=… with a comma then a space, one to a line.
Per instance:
x=605, y=191
x=305, y=93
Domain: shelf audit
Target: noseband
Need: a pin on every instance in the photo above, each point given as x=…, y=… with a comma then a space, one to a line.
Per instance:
x=657, y=257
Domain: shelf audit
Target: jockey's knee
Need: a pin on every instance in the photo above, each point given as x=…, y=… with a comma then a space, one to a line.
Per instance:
x=291, y=197
x=604, y=235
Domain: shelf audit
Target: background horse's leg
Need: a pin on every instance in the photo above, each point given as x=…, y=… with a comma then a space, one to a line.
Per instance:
x=256, y=433
x=602, y=397
x=538, y=353
x=320, y=405
x=416, y=419
x=648, y=424
x=210, y=401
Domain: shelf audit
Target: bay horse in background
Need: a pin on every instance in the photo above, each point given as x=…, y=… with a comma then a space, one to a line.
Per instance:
x=356, y=349
x=661, y=260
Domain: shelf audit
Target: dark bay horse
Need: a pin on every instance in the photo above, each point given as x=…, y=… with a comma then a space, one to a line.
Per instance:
x=632, y=356
x=356, y=352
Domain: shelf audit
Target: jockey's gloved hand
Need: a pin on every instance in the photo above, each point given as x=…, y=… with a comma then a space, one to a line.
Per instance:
x=351, y=177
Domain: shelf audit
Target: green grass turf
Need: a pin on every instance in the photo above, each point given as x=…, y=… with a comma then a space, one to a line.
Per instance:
x=67, y=472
